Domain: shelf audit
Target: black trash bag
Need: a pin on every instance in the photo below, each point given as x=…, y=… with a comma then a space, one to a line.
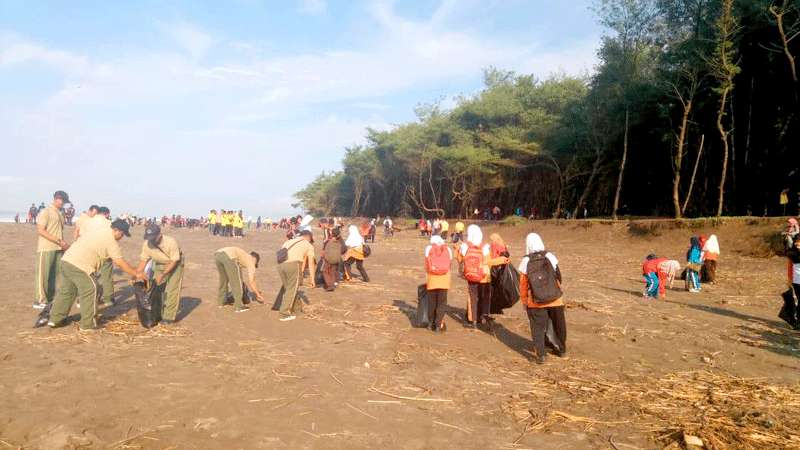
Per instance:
x=148, y=302
x=505, y=288
x=788, y=311
x=551, y=340
x=423, y=321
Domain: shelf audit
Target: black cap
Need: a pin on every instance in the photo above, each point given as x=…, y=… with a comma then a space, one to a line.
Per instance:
x=62, y=195
x=308, y=233
x=103, y=210
x=123, y=226
x=152, y=232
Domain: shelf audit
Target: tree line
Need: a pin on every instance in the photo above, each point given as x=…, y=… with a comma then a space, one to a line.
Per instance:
x=691, y=111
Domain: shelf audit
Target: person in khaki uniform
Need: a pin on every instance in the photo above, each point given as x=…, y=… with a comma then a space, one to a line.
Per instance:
x=49, y=249
x=83, y=219
x=79, y=262
x=230, y=261
x=300, y=250
x=168, y=264
x=101, y=221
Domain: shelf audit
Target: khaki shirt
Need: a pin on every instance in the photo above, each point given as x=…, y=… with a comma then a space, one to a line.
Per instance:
x=98, y=222
x=53, y=222
x=300, y=249
x=243, y=259
x=89, y=252
x=166, y=252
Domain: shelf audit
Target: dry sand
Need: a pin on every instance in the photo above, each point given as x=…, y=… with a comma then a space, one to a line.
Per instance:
x=351, y=372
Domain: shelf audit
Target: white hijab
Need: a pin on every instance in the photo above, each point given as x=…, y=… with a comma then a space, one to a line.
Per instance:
x=354, y=238
x=474, y=237
x=712, y=245
x=436, y=240
x=533, y=244
x=305, y=224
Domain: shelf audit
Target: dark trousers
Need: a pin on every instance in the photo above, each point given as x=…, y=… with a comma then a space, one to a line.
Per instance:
x=480, y=301
x=359, y=266
x=330, y=275
x=437, y=302
x=538, y=317
x=709, y=272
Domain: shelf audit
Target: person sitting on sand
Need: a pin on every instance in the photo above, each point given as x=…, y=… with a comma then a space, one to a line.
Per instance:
x=540, y=292
x=355, y=254
x=438, y=259
x=230, y=261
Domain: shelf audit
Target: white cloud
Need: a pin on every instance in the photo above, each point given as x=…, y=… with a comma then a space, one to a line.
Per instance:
x=189, y=38
x=313, y=7
x=16, y=51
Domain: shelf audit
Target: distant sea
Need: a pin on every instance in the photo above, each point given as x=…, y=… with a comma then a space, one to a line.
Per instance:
x=8, y=217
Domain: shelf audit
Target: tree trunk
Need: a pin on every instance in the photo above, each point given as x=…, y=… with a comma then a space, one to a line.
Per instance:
x=621, y=167
x=585, y=194
x=678, y=159
x=724, y=136
x=778, y=14
x=694, y=174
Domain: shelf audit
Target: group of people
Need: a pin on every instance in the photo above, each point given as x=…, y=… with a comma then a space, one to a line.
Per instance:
x=701, y=266
x=441, y=228
x=226, y=223
x=539, y=285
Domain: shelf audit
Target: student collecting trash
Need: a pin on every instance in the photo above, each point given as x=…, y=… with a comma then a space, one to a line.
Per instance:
x=356, y=252
x=789, y=312
x=694, y=262
x=540, y=292
x=653, y=281
x=710, y=256
x=331, y=259
x=438, y=259
x=475, y=257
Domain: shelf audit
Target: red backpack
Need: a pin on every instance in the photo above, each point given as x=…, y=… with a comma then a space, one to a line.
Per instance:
x=438, y=260
x=473, y=264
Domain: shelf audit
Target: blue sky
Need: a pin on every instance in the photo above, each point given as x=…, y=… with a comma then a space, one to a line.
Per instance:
x=155, y=107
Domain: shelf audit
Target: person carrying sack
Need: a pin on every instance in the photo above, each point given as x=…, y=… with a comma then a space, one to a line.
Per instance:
x=291, y=258
x=540, y=292
x=168, y=265
x=356, y=253
x=438, y=259
x=332, y=251
x=476, y=260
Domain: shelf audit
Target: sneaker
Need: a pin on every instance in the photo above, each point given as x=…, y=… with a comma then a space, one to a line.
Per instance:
x=38, y=305
x=242, y=309
x=287, y=318
x=51, y=324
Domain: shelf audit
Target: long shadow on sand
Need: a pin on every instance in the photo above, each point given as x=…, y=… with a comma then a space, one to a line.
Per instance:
x=187, y=305
x=771, y=335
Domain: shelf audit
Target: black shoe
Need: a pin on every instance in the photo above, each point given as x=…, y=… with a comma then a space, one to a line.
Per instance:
x=470, y=325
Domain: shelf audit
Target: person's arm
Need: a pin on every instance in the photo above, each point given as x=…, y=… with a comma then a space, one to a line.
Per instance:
x=127, y=268
x=42, y=230
x=499, y=261
x=169, y=268
x=251, y=284
x=523, y=289
x=140, y=267
x=312, y=268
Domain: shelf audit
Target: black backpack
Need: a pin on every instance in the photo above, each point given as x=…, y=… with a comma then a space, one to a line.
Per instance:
x=542, y=278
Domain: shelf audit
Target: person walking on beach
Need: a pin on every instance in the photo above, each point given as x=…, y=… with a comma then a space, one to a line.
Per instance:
x=168, y=265
x=296, y=251
x=79, y=263
x=49, y=249
x=438, y=260
x=230, y=261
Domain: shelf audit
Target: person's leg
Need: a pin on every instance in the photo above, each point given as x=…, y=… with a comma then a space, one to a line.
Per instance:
x=107, y=281
x=797, y=297
x=55, y=267
x=556, y=315
x=65, y=295
x=87, y=297
x=41, y=278
x=292, y=274
x=472, y=304
x=433, y=301
x=712, y=271
x=172, y=293
x=484, y=301
x=362, y=270
x=222, y=287
x=441, y=305
x=348, y=275
x=539, y=322
x=329, y=272
x=234, y=280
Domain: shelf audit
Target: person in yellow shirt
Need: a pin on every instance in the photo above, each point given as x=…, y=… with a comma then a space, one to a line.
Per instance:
x=83, y=218
x=458, y=235
x=168, y=262
x=49, y=249
x=238, y=225
x=445, y=228
x=225, y=222
x=218, y=224
x=212, y=222
x=79, y=263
